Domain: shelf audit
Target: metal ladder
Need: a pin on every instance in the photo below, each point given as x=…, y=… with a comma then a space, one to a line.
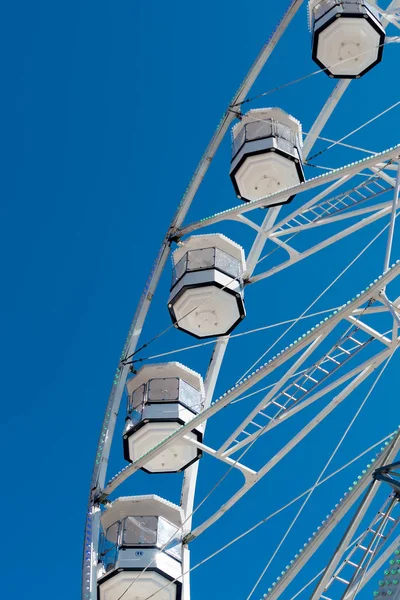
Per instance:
x=307, y=381
x=368, y=190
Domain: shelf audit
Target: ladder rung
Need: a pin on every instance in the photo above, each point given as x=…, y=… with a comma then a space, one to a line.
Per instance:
x=265, y=415
x=300, y=387
x=355, y=341
x=349, y=562
x=365, y=549
x=333, y=360
x=343, y=350
x=342, y=580
x=279, y=405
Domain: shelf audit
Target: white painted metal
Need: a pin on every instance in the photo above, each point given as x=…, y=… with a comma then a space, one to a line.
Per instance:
x=376, y=566
x=190, y=478
x=346, y=539
x=323, y=117
x=363, y=550
x=307, y=344
x=328, y=526
x=392, y=220
x=349, y=170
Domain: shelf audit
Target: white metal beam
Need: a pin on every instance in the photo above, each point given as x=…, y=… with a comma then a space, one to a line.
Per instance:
x=346, y=539
x=298, y=256
x=375, y=567
x=191, y=473
x=333, y=521
x=310, y=184
x=296, y=439
x=304, y=404
x=324, y=115
x=274, y=390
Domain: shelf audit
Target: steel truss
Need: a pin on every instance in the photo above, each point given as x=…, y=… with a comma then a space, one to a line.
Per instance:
x=355, y=561
x=327, y=362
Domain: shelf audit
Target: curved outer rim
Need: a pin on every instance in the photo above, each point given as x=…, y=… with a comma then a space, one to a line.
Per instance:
x=92, y=522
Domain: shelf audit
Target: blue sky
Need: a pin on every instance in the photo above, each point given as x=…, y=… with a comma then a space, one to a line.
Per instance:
x=106, y=109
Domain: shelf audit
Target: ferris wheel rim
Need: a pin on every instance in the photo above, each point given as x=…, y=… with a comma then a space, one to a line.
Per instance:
x=98, y=480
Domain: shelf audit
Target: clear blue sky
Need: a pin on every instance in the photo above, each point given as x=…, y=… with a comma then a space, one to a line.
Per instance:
x=105, y=110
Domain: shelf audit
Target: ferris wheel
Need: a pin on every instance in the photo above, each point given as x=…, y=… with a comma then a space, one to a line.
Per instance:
x=137, y=547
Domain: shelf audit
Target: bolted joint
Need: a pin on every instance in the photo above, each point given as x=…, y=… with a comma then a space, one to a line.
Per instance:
x=189, y=537
x=174, y=238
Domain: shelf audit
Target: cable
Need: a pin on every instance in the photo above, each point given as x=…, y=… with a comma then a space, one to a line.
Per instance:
x=273, y=514
x=354, y=131
x=320, y=573
x=235, y=335
x=314, y=302
x=304, y=77
x=268, y=387
x=336, y=142
x=322, y=472
x=324, y=139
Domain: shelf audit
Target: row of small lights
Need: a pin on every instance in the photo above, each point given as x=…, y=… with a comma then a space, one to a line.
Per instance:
x=317, y=178
x=364, y=473
x=389, y=582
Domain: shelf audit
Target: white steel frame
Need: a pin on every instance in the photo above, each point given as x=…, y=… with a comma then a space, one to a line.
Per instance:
x=321, y=211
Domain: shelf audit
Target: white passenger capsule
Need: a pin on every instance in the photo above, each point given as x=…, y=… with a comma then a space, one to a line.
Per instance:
x=161, y=398
x=266, y=155
x=206, y=298
x=347, y=36
x=135, y=529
